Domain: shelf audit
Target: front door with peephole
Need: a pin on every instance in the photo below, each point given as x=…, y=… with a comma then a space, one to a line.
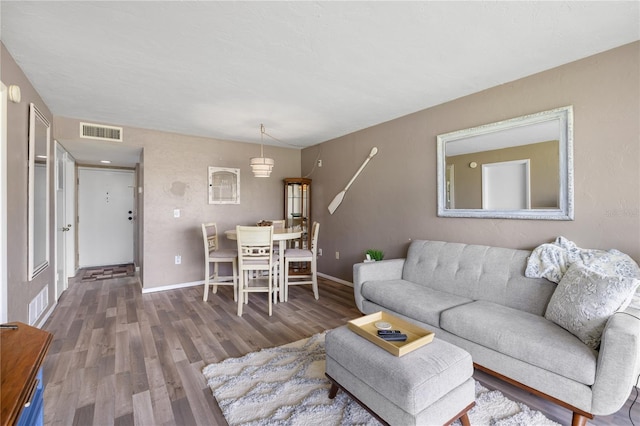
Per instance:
x=106, y=216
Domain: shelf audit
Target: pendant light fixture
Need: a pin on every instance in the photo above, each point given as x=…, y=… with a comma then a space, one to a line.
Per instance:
x=261, y=166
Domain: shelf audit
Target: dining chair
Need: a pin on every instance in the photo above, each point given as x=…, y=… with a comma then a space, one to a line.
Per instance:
x=214, y=254
x=255, y=254
x=303, y=255
x=277, y=223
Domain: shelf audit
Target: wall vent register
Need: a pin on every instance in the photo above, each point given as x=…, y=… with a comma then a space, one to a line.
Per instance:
x=100, y=132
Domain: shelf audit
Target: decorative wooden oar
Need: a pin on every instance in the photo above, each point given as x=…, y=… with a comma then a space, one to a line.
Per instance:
x=338, y=198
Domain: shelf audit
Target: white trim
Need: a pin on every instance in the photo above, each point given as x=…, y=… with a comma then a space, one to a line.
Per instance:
x=46, y=316
x=33, y=269
x=338, y=280
x=56, y=263
x=70, y=213
x=171, y=287
x=4, y=292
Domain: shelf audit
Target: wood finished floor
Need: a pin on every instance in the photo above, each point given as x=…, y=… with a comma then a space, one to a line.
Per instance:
x=125, y=358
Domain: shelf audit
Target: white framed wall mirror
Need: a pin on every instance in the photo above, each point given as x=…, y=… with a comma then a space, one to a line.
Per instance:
x=39, y=161
x=520, y=168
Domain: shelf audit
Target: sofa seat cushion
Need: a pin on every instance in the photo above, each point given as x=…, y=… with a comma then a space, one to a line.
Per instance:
x=411, y=300
x=524, y=336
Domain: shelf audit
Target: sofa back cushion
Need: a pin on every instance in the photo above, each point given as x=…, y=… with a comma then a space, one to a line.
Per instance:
x=478, y=272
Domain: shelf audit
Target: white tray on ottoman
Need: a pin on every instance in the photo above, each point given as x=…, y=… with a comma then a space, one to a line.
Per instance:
x=430, y=385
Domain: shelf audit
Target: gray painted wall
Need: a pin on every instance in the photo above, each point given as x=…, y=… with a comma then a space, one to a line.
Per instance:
x=173, y=175
x=20, y=291
x=394, y=199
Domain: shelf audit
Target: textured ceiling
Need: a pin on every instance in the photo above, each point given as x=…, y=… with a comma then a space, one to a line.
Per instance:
x=310, y=71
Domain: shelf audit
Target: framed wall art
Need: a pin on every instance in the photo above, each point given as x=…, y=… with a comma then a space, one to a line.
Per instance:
x=224, y=185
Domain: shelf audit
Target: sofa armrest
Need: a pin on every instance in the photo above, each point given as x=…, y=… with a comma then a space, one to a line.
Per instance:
x=390, y=269
x=618, y=362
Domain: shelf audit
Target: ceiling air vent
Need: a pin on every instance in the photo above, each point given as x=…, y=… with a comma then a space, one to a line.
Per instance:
x=101, y=132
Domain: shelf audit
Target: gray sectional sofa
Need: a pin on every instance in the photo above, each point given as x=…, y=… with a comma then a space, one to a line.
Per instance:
x=478, y=298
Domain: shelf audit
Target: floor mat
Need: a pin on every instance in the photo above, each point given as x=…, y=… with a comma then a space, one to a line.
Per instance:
x=106, y=272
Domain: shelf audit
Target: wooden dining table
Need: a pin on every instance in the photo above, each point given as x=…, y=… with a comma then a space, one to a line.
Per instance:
x=281, y=235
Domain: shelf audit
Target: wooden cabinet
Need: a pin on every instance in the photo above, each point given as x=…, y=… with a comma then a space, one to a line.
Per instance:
x=22, y=352
x=297, y=208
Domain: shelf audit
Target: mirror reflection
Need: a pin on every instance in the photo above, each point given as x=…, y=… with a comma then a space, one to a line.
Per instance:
x=519, y=168
x=39, y=135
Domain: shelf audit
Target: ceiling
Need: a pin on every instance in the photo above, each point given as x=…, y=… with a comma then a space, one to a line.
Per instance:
x=310, y=71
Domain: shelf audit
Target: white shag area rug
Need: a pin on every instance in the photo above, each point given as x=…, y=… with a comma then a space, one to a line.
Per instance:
x=286, y=385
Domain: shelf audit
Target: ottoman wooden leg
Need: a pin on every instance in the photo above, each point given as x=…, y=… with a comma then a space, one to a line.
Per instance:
x=335, y=386
x=463, y=416
x=465, y=420
x=333, y=391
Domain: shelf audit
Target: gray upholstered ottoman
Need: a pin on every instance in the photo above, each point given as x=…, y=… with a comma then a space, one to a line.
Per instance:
x=428, y=386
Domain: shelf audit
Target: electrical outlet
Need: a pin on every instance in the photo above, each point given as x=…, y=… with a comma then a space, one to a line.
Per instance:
x=176, y=213
x=337, y=255
x=178, y=259
x=319, y=251
x=319, y=163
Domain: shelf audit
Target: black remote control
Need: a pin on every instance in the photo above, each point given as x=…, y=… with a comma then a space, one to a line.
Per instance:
x=394, y=337
x=381, y=332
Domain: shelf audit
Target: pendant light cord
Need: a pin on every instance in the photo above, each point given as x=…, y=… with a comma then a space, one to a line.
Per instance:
x=264, y=132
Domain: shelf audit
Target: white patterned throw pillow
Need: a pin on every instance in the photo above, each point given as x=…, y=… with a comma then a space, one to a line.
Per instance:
x=585, y=298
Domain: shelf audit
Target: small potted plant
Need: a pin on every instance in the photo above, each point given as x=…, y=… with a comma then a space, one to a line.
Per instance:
x=373, y=255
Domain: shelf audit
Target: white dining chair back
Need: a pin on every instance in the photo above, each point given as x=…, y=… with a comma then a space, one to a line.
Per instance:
x=303, y=255
x=255, y=254
x=278, y=223
x=213, y=254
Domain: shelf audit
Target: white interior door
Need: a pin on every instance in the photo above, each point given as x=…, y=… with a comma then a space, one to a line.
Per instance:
x=61, y=225
x=65, y=219
x=505, y=185
x=105, y=216
x=70, y=213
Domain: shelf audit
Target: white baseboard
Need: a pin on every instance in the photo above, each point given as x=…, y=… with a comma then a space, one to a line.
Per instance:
x=338, y=280
x=171, y=287
x=195, y=283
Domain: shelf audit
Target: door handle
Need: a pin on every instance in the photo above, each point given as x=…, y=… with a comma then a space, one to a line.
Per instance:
x=65, y=228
